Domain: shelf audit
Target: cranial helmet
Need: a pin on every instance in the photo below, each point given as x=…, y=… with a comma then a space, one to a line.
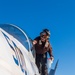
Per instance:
x=46, y=31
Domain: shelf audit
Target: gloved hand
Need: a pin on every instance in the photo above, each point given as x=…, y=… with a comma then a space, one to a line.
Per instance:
x=52, y=58
x=34, y=42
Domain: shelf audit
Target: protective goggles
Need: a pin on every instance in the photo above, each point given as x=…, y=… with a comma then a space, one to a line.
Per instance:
x=44, y=35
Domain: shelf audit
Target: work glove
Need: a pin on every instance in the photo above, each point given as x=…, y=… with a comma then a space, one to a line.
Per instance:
x=52, y=58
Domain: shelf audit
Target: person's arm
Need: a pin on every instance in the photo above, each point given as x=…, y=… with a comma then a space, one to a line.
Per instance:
x=34, y=42
x=50, y=52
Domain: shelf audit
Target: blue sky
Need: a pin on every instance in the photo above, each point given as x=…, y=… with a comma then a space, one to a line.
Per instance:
x=56, y=15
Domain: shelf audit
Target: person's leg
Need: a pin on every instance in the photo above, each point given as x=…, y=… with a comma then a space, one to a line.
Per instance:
x=44, y=64
x=38, y=60
x=44, y=70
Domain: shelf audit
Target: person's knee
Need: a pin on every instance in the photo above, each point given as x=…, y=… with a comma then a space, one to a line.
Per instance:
x=45, y=70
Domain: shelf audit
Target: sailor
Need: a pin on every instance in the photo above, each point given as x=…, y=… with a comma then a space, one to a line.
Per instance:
x=42, y=46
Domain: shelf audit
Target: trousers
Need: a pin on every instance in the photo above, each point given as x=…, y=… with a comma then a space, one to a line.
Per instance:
x=41, y=62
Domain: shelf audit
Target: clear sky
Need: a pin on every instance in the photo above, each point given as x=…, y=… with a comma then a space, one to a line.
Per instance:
x=56, y=15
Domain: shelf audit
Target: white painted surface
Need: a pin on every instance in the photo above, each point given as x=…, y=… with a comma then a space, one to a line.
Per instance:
x=7, y=63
